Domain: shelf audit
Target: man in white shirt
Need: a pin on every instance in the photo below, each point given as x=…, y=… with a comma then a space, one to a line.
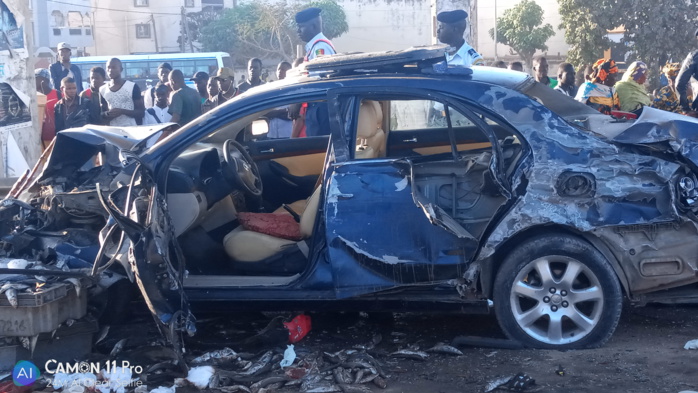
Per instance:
x=451, y=29
x=309, y=30
x=158, y=113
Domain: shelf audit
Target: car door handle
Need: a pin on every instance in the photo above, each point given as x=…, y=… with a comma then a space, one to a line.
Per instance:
x=271, y=150
x=410, y=140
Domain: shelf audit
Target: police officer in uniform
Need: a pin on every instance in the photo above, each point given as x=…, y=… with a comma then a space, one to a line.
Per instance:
x=309, y=24
x=689, y=69
x=309, y=21
x=451, y=29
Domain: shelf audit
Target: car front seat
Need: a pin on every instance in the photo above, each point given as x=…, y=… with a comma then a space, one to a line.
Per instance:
x=370, y=137
x=243, y=245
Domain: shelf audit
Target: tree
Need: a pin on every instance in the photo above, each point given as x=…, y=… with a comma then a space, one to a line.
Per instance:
x=265, y=30
x=586, y=24
x=654, y=31
x=520, y=28
x=659, y=31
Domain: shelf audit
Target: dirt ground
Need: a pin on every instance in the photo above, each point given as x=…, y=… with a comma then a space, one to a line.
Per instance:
x=644, y=355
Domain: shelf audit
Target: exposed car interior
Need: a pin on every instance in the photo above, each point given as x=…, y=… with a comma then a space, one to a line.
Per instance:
x=245, y=204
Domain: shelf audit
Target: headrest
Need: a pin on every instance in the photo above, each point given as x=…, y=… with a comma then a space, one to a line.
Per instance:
x=370, y=119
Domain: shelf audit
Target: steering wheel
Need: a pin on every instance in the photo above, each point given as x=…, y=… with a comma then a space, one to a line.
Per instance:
x=241, y=169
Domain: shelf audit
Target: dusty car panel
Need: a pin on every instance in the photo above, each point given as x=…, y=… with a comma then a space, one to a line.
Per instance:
x=622, y=192
x=406, y=248
x=433, y=229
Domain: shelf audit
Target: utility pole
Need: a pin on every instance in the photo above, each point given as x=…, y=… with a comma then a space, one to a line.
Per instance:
x=496, y=57
x=186, y=31
x=181, y=31
x=155, y=34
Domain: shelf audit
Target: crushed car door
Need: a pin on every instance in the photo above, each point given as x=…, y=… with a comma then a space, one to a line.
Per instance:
x=410, y=220
x=155, y=261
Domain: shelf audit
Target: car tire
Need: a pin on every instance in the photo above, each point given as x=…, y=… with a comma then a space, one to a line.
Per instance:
x=557, y=292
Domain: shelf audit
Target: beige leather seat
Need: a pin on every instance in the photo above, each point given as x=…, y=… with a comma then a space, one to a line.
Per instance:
x=370, y=137
x=243, y=245
x=370, y=142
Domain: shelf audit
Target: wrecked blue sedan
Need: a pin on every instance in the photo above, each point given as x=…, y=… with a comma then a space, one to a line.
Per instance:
x=417, y=186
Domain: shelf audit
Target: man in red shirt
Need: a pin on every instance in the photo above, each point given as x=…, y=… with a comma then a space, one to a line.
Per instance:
x=48, y=123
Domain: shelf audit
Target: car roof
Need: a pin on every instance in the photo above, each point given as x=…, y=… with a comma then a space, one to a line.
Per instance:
x=415, y=62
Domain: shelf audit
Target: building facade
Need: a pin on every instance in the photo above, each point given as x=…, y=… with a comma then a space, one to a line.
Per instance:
x=54, y=22
x=118, y=27
x=144, y=26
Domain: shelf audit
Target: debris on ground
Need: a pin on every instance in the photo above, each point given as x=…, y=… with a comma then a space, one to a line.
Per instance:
x=216, y=357
x=410, y=354
x=693, y=344
x=518, y=383
x=164, y=389
x=445, y=349
x=202, y=377
x=298, y=328
x=289, y=357
x=560, y=371
x=486, y=342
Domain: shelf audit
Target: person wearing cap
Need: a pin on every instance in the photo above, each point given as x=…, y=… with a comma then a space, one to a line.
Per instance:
x=200, y=79
x=48, y=122
x=63, y=67
x=226, y=86
x=254, y=72
x=309, y=31
x=450, y=31
x=149, y=96
x=689, y=69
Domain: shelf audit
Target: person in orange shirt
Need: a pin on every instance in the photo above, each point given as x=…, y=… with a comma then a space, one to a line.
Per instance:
x=48, y=123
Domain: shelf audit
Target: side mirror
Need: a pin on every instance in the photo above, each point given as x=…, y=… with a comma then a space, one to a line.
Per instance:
x=260, y=127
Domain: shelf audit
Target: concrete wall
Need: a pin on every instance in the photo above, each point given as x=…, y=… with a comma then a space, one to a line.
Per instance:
x=385, y=25
x=486, y=12
x=19, y=143
x=374, y=25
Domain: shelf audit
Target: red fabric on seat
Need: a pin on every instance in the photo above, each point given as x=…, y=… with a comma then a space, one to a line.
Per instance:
x=272, y=224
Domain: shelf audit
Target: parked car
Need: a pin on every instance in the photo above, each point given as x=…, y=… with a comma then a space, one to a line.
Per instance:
x=433, y=188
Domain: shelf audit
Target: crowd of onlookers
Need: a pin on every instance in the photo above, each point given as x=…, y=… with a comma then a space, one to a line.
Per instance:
x=115, y=101
x=120, y=102
x=601, y=88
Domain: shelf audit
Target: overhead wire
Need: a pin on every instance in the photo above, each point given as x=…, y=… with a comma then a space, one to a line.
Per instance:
x=115, y=9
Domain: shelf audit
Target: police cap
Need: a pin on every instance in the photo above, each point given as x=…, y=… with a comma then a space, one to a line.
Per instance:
x=307, y=14
x=451, y=16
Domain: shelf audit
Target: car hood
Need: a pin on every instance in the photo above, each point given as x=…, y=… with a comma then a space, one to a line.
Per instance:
x=663, y=131
x=79, y=158
x=81, y=143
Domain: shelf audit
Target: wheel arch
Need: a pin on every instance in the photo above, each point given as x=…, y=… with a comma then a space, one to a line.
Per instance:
x=490, y=266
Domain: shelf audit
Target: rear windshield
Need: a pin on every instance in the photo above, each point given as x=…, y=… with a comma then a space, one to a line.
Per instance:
x=563, y=105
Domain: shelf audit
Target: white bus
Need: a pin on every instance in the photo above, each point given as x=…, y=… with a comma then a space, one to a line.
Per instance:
x=143, y=69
